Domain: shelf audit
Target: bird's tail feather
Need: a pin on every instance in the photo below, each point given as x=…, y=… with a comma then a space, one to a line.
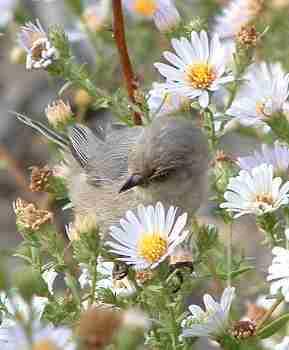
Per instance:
x=60, y=140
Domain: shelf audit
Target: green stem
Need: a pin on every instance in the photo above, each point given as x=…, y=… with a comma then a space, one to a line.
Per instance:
x=93, y=288
x=269, y=313
x=210, y=126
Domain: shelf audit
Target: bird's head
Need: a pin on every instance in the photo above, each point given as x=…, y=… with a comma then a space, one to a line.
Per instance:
x=168, y=150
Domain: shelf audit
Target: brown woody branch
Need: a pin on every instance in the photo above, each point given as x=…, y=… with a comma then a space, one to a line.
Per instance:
x=119, y=34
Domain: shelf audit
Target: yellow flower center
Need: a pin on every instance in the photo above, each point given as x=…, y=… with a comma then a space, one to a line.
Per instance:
x=44, y=345
x=152, y=247
x=260, y=109
x=265, y=198
x=145, y=7
x=200, y=75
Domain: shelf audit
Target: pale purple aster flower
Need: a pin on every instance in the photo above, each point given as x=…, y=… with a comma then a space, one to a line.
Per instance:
x=264, y=92
x=197, y=69
x=214, y=321
x=277, y=156
x=163, y=12
x=40, y=52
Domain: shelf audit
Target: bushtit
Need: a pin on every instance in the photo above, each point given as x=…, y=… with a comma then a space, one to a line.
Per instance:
x=108, y=174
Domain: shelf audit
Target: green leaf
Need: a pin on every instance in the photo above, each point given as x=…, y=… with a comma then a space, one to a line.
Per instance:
x=273, y=327
x=236, y=273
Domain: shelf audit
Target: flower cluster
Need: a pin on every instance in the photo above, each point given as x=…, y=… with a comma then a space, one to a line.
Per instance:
x=39, y=51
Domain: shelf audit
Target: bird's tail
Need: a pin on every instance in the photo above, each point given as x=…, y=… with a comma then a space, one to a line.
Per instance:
x=60, y=140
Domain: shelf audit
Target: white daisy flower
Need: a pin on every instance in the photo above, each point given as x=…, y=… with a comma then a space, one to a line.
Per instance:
x=256, y=192
x=163, y=12
x=43, y=337
x=162, y=102
x=196, y=69
x=212, y=322
x=147, y=239
x=277, y=156
x=235, y=15
x=264, y=93
x=40, y=52
x=95, y=15
x=279, y=272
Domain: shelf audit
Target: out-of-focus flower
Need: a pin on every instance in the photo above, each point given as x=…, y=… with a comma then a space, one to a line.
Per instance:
x=39, y=178
x=17, y=308
x=264, y=93
x=162, y=102
x=81, y=225
x=147, y=239
x=210, y=323
x=42, y=337
x=6, y=9
x=277, y=156
x=235, y=15
x=17, y=55
x=96, y=15
x=29, y=217
x=82, y=99
x=279, y=272
x=284, y=345
x=39, y=51
x=279, y=4
x=97, y=326
x=197, y=69
x=257, y=310
x=58, y=113
x=256, y=192
x=163, y=12
x=120, y=287
x=135, y=319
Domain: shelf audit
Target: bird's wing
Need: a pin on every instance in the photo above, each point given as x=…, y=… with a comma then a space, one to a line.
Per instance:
x=84, y=142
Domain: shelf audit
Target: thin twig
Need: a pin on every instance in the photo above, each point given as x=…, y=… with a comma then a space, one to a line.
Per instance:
x=119, y=34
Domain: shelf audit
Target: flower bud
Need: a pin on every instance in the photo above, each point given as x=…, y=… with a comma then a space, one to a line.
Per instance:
x=247, y=37
x=58, y=113
x=82, y=225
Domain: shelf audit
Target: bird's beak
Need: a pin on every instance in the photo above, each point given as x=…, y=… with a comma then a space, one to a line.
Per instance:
x=132, y=181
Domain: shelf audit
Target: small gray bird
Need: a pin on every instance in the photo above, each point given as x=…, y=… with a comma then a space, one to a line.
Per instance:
x=108, y=174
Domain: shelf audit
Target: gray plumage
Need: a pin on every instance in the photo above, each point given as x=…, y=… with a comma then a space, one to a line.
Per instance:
x=166, y=161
